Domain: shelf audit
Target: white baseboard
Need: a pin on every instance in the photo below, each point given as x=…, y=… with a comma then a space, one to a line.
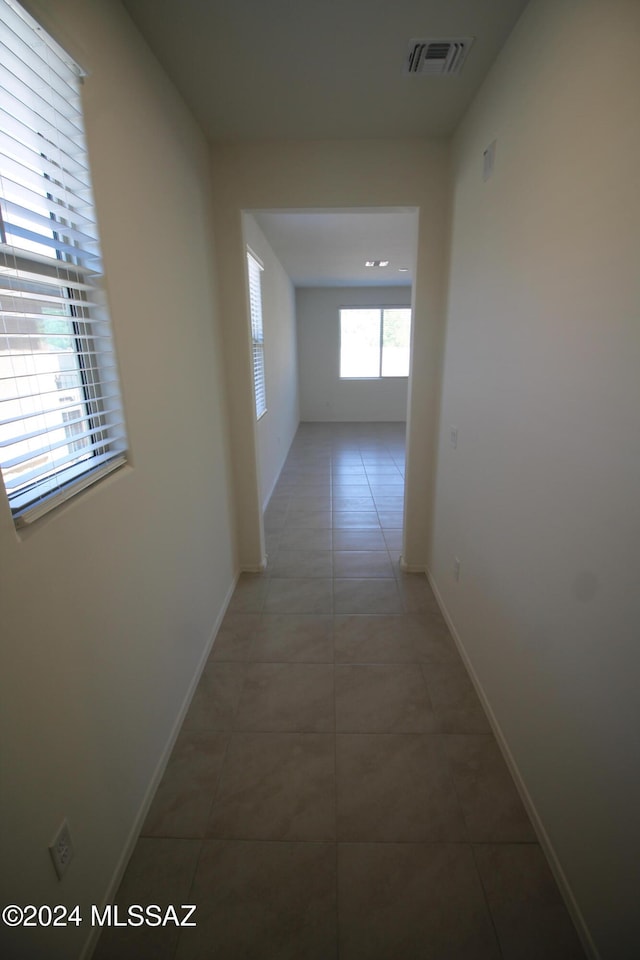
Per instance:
x=412, y=567
x=161, y=766
x=538, y=826
x=255, y=568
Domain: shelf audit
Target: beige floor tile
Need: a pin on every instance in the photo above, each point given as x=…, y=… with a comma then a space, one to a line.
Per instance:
x=362, y=564
x=358, y=540
x=529, y=915
x=382, y=698
x=373, y=639
x=379, y=489
x=390, y=503
x=299, y=595
x=300, y=538
x=276, y=514
x=393, y=540
x=263, y=900
x=342, y=503
x=356, y=520
x=287, y=697
x=160, y=872
x=183, y=799
x=408, y=901
x=345, y=487
x=276, y=786
x=395, y=787
x=272, y=541
x=314, y=519
x=486, y=792
x=309, y=489
x=216, y=698
x=382, y=470
x=305, y=638
x=416, y=593
x=249, y=594
x=354, y=468
x=234, y=637
x=302, y=563
x=390, y=519
x=432, y=640
x=303, y=504
x=454, y=699
x=366, y=596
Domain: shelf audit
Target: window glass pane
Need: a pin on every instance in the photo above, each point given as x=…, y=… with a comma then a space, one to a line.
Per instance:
x=360, y=343
x=396, y=338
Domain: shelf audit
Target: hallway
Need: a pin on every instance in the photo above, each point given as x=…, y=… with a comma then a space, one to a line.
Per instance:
x=336, y=789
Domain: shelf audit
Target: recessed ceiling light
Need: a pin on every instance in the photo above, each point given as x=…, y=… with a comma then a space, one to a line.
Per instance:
x=376, y=263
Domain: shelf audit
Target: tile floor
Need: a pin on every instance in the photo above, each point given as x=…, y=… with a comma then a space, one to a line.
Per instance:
x=336, y=790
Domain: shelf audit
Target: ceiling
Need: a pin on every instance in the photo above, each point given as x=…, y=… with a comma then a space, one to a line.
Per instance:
x=320, y=69
x=324, y=69
x=329, y=248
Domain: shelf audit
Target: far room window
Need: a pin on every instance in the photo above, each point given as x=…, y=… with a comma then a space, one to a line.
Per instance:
x=255, y=269
x=61, y=421
x=374, y=342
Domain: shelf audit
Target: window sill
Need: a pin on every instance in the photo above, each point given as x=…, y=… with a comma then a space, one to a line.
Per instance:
x=34, y=511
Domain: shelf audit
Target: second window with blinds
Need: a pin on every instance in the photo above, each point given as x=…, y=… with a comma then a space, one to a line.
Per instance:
x=255, y=269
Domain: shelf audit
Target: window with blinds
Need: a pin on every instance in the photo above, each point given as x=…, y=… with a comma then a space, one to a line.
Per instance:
x=61, y=421
x=257, y=333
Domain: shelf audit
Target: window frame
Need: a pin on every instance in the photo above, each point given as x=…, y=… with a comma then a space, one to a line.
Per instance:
x=51, y=286
x=381, y=311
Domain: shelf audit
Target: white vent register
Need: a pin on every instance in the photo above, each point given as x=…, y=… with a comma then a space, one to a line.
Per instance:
x=437, y=57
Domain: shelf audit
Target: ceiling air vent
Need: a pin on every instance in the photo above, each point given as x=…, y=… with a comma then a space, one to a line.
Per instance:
x=437, y=58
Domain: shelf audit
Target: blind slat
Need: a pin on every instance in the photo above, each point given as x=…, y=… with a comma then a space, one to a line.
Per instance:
x=107, y=398
x=89, y=433
x=50, y=52
x=24, y=146
x=57, y=215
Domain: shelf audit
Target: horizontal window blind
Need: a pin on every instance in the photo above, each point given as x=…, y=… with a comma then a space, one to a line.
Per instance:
x=257, y=333
x=61, y=421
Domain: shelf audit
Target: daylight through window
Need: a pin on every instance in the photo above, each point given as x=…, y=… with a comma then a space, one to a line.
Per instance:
x=374, y=342
x=61, y=423
x=257, y=332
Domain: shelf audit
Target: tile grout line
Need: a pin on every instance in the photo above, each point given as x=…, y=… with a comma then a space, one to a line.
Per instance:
x=486, y=901
x=189, y=897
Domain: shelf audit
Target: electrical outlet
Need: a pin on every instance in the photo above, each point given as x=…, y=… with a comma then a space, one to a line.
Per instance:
x=456, y=568
x=488, y=161
x=453, y=437
x=61, y=849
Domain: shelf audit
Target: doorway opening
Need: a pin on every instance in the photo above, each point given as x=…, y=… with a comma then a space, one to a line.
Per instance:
x=336, y=299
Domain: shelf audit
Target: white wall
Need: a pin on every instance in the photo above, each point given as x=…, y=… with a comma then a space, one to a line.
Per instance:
x=107, y=606
x=540, y=500
x=277, y=427
x=321, y=175
x=323, y=395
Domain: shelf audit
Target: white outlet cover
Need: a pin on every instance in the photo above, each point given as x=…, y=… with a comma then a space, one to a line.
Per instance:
x=488, y=161
x=61, y=849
